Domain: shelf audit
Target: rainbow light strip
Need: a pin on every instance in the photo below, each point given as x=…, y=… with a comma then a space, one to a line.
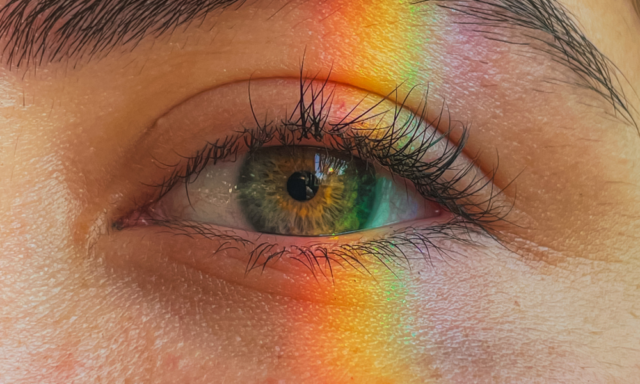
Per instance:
x=368, y=335
x=383, y=44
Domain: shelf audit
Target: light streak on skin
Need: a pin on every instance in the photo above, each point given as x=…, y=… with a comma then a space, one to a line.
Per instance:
x=406, y=43
x=372, y=327
x=366, y=337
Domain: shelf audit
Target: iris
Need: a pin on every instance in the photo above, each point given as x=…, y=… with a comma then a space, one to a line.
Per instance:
x=306, y=191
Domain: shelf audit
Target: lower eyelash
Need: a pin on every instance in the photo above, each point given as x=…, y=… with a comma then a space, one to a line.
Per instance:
x=322, y=259
x=393, y=249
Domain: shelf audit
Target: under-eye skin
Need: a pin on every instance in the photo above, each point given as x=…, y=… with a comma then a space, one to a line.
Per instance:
x=315, y=173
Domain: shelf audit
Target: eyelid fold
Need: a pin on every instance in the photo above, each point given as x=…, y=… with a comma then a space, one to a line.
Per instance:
x=407, y=138
x=241, y=117
x=311, y=113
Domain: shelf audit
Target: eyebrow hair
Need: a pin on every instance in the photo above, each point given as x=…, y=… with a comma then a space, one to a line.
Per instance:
x=49, y=30
x=38, y=31
x=547, y=25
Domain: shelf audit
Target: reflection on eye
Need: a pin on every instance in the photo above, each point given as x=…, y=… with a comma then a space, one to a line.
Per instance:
x=306, y=192
x=299, y=191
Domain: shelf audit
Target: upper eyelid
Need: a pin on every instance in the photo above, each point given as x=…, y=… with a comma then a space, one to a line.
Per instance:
x=307, y=119
x=426, y=239
x=414, y=170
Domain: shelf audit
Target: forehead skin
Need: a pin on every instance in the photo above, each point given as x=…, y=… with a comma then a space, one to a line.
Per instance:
x=78, y=306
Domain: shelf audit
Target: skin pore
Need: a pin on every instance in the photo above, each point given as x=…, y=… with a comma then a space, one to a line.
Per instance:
x=82, y=140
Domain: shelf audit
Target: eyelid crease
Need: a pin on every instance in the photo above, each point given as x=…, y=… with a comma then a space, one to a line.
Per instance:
x=407, y=144
x=411, y=148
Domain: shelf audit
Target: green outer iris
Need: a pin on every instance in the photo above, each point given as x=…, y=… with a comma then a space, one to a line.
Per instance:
x=344, y=202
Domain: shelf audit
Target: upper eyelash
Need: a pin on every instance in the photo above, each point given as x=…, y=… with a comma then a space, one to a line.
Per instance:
x=310, y=120
x=406, y=161
x=321, y=259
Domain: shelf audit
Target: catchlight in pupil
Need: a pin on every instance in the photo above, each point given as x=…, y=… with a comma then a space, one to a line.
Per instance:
x=306, y=191
x=302, y=186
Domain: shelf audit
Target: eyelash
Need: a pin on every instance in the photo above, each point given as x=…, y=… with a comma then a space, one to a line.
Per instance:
x=403, y=160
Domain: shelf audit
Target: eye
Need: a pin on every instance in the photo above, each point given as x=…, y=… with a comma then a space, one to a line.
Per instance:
x=304, y=171
x=296, y=191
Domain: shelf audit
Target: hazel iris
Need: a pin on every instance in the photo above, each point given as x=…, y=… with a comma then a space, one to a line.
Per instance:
x=306, y=191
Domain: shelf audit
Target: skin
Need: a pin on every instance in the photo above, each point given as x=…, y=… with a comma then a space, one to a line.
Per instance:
x=559, y=302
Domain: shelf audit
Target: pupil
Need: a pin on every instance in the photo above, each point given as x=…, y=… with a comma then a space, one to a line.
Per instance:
x=302, y=186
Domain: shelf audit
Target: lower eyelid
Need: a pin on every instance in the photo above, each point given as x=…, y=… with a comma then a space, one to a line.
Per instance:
x=160, y=251
x=172, y=122
x=279, y=264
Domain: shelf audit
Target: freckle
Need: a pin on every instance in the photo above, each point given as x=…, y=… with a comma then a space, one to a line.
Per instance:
x=517, y=304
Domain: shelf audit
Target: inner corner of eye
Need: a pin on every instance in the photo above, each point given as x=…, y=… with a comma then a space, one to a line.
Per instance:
x=300, y=191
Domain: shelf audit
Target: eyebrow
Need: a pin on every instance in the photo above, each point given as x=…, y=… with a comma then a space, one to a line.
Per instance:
x=547, y=26
x=39, y=31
